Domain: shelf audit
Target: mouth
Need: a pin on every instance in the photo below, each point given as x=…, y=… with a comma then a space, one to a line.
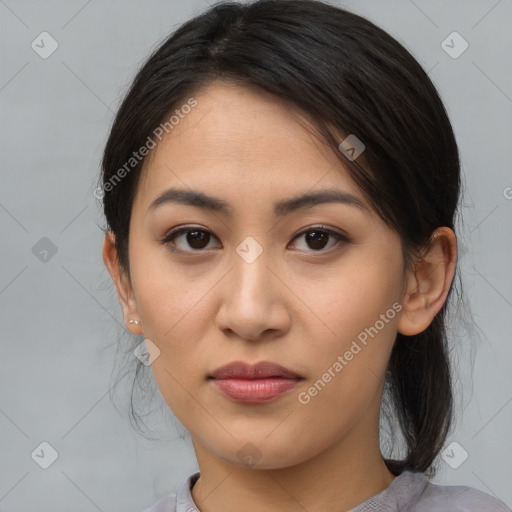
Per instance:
x=259, y=383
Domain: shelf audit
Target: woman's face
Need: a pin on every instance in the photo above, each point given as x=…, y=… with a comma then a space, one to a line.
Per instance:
x=260, y=283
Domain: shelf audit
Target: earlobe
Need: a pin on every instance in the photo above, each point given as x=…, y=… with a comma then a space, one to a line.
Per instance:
x=121, y=282
x=428, y=285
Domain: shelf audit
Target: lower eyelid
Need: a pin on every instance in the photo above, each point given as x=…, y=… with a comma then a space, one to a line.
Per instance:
x=168, y=239
x=339, y=237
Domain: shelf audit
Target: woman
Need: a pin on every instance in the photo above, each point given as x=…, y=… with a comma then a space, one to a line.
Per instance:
x=280, y=186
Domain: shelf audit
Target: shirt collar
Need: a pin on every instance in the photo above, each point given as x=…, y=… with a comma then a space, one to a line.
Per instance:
x=405, y=488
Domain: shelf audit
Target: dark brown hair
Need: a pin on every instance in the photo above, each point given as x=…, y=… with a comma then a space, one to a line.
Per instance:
x=349, y=77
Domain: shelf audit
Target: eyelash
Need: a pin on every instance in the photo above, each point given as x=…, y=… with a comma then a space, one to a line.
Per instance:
x=187, y=229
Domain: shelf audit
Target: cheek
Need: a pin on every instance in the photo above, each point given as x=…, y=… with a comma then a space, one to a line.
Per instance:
x=352, y=295
x=171, y=298
x=356, y=312
x=174, y=309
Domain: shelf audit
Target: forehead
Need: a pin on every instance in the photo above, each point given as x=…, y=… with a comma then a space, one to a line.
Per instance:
x=243, y=143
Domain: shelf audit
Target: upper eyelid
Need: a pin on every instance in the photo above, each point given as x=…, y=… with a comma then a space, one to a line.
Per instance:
x=176, y=232
x=320, y=227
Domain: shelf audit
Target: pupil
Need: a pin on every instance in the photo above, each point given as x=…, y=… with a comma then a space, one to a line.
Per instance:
x=316, y=238
x=196, y=236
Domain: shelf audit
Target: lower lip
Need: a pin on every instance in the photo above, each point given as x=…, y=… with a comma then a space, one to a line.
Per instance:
x=256, y=391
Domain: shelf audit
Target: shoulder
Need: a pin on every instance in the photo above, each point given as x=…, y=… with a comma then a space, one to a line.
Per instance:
x=179, y=501
x=452, y=498
x=165, y=504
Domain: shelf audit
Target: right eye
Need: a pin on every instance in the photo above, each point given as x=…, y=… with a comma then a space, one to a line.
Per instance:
x=196, y=238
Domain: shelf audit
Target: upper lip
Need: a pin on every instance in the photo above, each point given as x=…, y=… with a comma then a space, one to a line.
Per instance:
x=261, y=370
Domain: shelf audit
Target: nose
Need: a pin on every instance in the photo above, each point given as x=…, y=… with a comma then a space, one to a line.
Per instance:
x=253, y=301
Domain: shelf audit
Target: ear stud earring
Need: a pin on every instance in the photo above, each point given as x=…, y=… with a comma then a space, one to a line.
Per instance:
x=135, y=322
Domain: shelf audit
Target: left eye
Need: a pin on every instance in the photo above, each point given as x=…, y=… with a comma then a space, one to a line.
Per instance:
x=316, y=238
x=198, y=239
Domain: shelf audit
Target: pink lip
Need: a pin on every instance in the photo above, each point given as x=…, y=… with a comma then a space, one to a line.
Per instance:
x=259, y=383
x=255, y=391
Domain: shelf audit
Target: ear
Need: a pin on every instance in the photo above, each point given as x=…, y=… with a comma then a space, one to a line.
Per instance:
x=427, y=286
x=121, y=281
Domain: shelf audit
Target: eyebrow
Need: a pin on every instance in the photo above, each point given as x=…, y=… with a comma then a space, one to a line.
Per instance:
x=281, y=208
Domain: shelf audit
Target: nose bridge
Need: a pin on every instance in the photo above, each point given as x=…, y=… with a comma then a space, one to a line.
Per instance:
x=250, y=301
x=251, y=275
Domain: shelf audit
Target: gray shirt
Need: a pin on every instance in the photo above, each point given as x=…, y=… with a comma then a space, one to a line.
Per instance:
x=408, y=492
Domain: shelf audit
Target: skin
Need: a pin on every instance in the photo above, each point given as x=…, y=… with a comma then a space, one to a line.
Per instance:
x=294, y=305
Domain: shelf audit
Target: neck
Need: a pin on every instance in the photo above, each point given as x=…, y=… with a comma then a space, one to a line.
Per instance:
x=338, y=479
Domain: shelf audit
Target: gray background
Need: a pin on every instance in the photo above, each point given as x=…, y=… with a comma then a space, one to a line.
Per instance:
x=60, y=319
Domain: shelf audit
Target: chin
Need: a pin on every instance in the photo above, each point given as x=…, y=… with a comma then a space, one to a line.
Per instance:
x=264, y=454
